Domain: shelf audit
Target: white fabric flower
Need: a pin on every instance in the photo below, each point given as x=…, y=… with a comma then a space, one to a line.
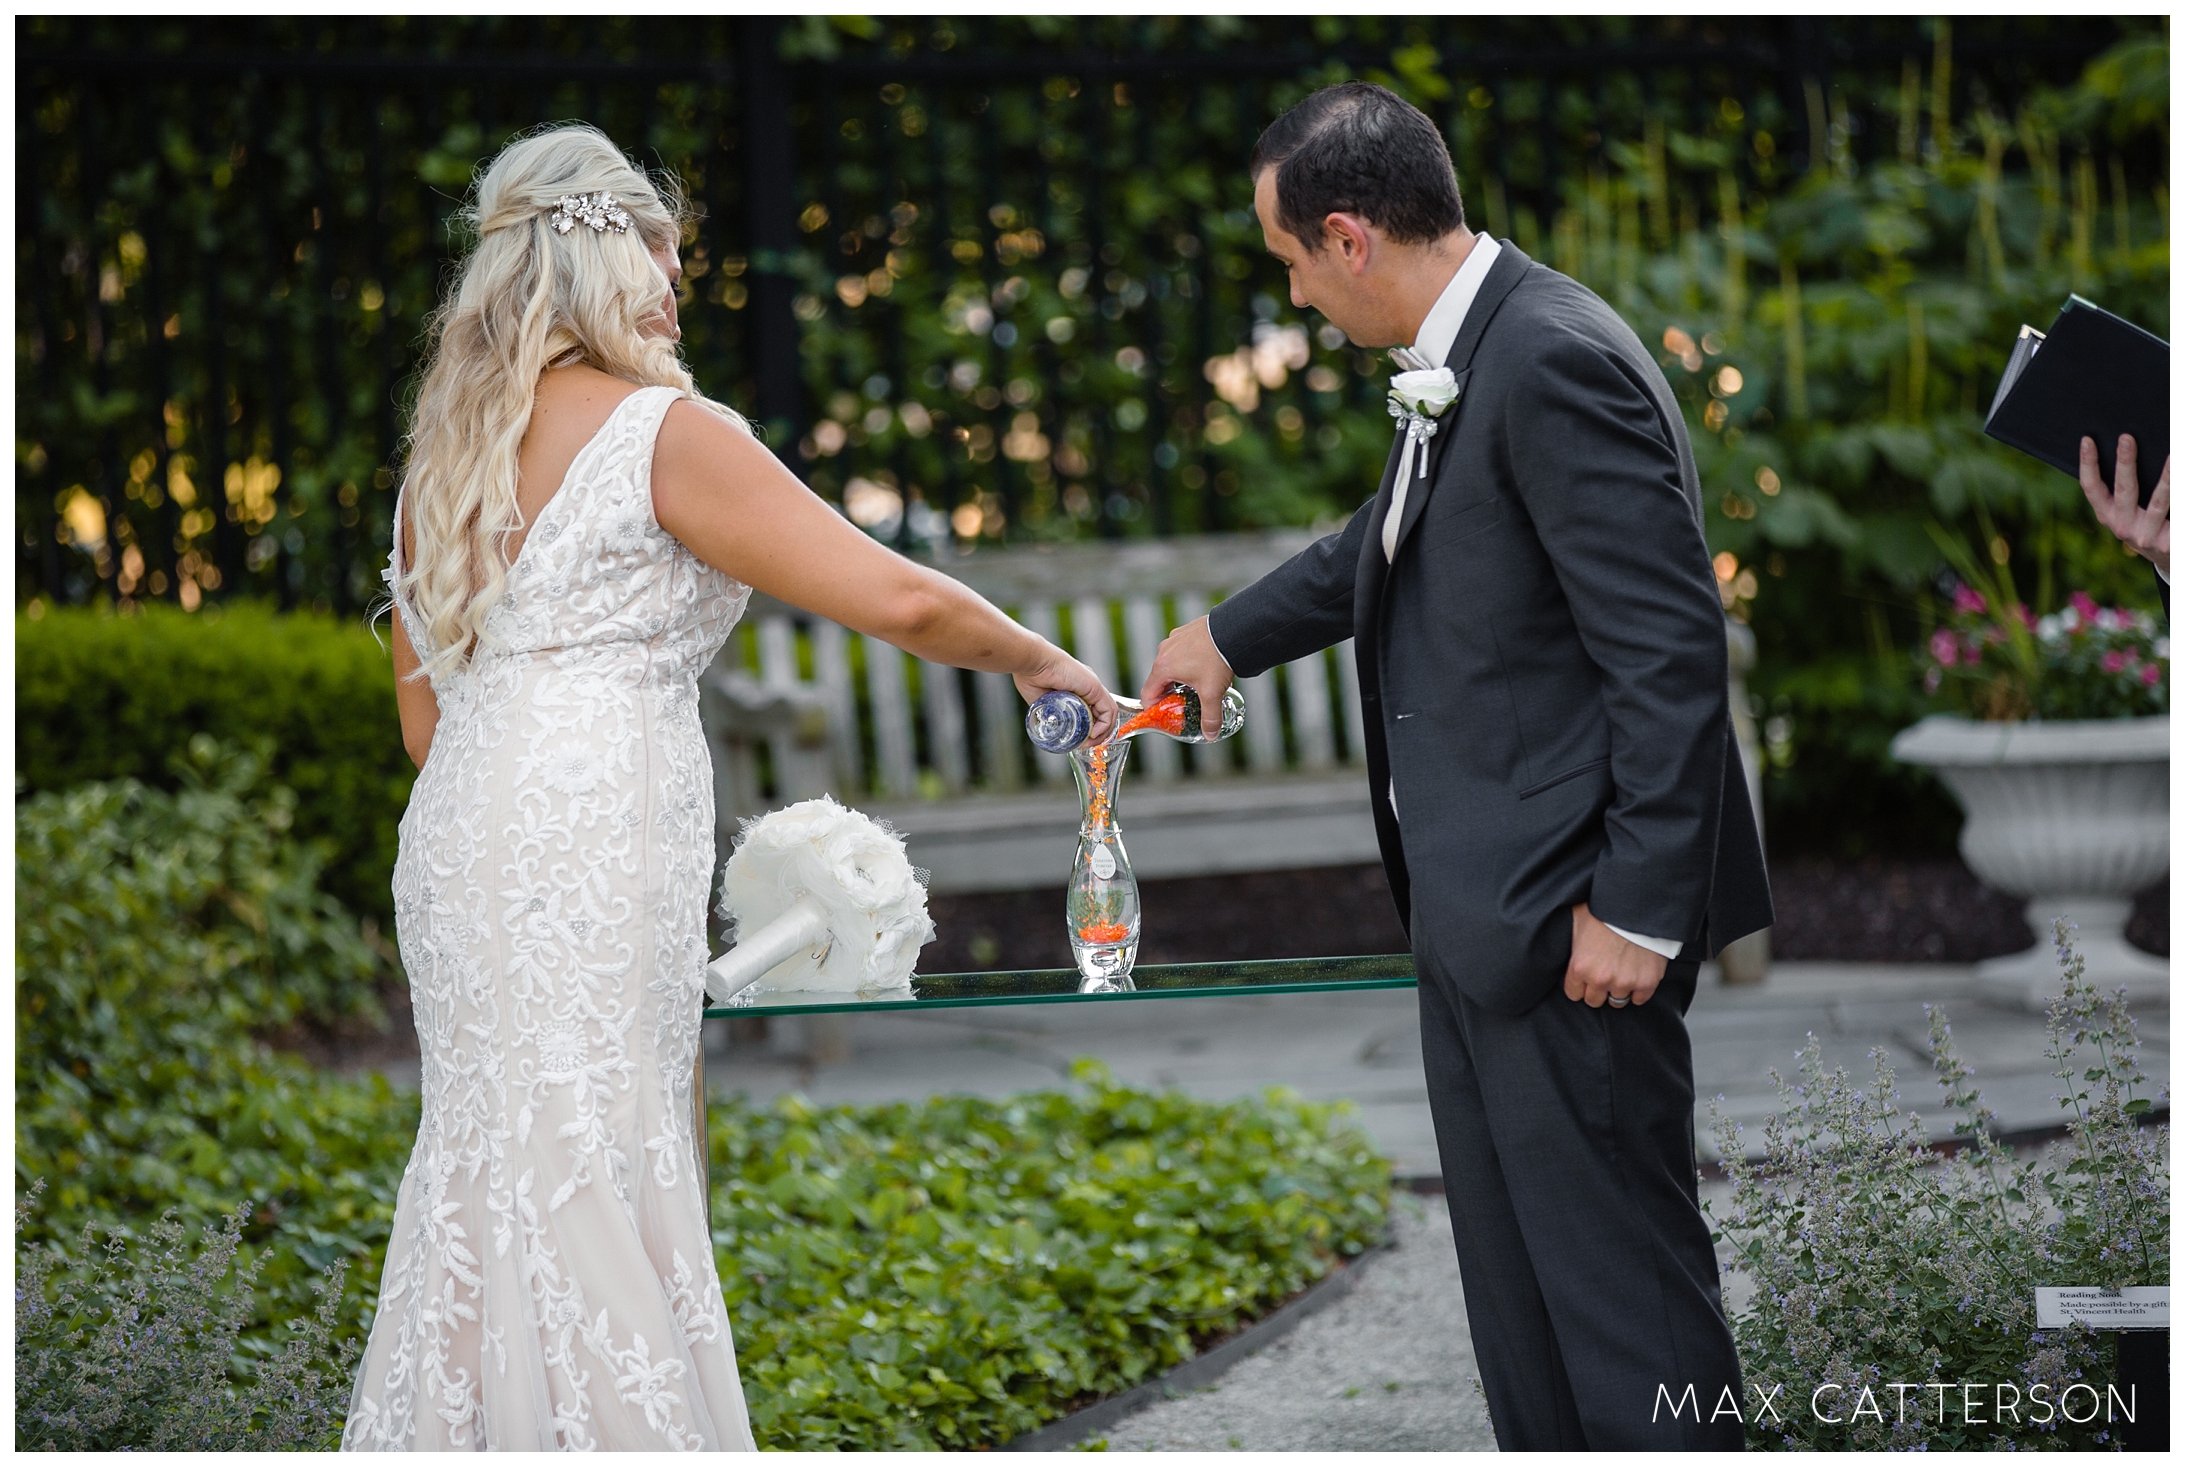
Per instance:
x=563, y=1049
x=1426, y=393
x=855, y=868
x=574, y=768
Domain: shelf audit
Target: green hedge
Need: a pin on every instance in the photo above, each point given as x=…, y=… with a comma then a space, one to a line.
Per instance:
x=103, y=697
x=156, y=935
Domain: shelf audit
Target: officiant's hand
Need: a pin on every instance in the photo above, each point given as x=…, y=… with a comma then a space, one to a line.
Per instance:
x=1604, y=967
x=2145, y=530
x=1188, y=658
x=1058, y=669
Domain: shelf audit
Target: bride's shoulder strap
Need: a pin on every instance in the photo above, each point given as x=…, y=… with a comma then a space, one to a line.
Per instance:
x=653, y=411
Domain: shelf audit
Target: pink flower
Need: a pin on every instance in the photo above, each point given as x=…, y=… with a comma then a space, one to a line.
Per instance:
x=1969, y=601
x=1944, y=648
x=2150, y=674
x=2025, y=614
x=2084, y=605
x=2116, y=661
x=1972, y=654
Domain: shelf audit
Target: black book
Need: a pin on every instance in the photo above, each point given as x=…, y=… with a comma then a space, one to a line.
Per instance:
x=2094, y=375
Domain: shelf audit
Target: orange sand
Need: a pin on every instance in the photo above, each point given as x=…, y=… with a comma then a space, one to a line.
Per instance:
x=1103, y=934
x=1163, y=715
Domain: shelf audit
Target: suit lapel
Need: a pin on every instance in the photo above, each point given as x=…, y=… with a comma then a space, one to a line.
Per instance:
x=1509, y=267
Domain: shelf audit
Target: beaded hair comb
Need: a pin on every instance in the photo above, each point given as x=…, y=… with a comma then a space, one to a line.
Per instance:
x=598, y=210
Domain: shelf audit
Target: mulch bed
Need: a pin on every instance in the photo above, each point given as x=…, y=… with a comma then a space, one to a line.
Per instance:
x=1931, y=911
x=1918, y=911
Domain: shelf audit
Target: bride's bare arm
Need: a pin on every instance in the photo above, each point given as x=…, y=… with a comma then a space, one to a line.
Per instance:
x=419, y=710
x=720, y=492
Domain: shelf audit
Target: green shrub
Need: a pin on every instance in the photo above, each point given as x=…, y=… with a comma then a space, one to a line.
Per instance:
x=1875, y=1262
x=156, y=935
x=105, y=697
x=954, y=1273
x=137, y=1353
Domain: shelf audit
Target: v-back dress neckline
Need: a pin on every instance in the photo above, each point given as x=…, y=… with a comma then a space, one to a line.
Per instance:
x=568, y=477
x=398, y=565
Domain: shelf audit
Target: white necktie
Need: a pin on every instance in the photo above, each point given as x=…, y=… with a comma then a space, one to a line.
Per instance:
x=1406, y=360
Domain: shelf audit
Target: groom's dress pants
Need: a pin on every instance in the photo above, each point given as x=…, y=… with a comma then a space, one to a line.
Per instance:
x=1567, y=1152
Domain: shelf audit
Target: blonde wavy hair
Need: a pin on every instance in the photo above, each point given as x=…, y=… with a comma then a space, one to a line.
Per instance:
x=527, y=297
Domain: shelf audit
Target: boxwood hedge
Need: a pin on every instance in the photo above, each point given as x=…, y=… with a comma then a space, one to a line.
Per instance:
x=104, y=697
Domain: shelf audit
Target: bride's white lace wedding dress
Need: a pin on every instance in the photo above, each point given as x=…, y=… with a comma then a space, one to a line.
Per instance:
x=550, y=1280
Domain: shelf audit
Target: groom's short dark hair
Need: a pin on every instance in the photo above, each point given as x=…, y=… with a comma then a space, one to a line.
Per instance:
x=1356, y=148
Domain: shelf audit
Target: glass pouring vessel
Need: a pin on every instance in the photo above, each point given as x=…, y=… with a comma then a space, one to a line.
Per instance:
x=1103, y=895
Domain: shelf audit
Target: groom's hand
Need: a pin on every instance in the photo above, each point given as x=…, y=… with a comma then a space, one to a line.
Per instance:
x=1189, y=657
x=1605, y=966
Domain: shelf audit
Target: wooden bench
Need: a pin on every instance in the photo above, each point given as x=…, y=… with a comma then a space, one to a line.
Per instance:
x=797, y=706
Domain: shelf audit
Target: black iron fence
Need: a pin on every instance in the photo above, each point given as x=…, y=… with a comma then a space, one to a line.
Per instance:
x=977, y=278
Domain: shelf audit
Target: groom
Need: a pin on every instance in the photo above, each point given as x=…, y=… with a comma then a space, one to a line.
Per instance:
x=1559, y=799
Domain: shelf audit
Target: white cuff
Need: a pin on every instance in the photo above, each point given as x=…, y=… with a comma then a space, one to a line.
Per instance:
x=1660, y=945
x=2162, y=573
x=1227, y=665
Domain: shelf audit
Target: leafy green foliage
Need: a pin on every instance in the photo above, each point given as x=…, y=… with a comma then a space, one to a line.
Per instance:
x=1835, y=345
x=105, y=697
x=954, y=1273
x=1875, y=1261
x=136, y=1353
x=158, y=935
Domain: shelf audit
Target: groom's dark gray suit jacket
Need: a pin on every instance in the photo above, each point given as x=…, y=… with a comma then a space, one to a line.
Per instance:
x=1543, y=668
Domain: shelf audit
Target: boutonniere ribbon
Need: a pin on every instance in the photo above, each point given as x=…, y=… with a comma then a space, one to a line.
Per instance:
x=1416, y=400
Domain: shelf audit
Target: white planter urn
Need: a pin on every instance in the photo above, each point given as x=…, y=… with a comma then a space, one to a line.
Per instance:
x=2074, y=816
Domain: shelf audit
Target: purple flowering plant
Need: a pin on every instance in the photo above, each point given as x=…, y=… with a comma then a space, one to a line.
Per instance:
x=1877, y=1257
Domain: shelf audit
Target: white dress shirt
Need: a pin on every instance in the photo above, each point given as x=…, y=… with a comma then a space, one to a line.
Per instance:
x=1431, y=350
x=1437, y=334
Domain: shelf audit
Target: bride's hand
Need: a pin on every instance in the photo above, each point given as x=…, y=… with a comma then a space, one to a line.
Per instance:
x=1060, y=670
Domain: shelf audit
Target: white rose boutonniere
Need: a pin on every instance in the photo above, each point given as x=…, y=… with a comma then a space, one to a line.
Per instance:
x=1416, y=400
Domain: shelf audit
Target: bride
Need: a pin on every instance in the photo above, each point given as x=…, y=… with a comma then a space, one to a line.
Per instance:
x=578, y=532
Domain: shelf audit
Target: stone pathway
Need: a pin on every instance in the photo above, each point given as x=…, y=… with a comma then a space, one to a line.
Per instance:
x=1386, y=1368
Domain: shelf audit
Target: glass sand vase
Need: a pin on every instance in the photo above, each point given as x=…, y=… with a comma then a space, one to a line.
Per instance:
x=1103, y=895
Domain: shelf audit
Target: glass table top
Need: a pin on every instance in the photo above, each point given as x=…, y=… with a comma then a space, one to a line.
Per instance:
x=1060, y=985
